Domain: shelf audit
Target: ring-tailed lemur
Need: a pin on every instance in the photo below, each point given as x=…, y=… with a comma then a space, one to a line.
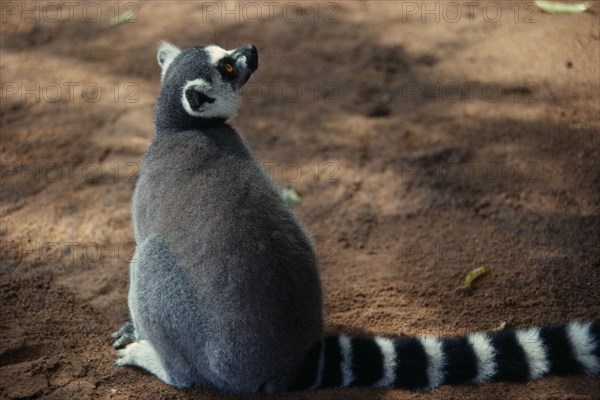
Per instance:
x=225, y=289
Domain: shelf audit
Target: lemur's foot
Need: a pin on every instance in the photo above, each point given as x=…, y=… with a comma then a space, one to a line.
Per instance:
x=124, y=336
x=142, y=354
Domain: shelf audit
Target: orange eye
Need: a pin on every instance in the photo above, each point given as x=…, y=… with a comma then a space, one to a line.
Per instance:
x=229, y=68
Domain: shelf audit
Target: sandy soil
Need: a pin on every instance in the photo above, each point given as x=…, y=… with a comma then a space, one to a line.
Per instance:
x=424, y=144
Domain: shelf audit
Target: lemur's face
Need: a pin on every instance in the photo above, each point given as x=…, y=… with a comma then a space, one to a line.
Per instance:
x=208, y=78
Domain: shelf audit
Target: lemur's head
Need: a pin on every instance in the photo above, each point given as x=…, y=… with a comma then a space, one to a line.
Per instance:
x=204, y=82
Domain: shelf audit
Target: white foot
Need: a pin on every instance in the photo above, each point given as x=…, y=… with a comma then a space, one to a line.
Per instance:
x=142, y=354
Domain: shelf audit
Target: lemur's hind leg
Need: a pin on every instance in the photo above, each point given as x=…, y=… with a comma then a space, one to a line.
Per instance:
x=159, y=298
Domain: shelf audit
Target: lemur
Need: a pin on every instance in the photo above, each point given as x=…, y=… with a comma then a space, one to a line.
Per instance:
x=224, y=283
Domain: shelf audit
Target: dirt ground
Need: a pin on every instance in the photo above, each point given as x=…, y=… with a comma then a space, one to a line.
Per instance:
x=426, y=139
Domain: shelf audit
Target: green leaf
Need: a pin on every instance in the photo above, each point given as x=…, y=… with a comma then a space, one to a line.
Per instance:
x=474, y=274
x=557, y=7
x=123, y=18
x=290, y=196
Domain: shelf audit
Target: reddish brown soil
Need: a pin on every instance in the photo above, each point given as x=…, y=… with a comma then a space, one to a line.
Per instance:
x=496, y=164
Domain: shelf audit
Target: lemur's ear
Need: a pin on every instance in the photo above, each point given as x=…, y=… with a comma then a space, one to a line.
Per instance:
x=166, y=54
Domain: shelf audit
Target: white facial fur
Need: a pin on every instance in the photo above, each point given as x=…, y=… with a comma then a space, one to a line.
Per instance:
x=225, y=99
x=197, y=84
x=216, y=53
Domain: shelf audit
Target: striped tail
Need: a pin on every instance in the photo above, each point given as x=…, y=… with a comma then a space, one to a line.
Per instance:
x=428, y=362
